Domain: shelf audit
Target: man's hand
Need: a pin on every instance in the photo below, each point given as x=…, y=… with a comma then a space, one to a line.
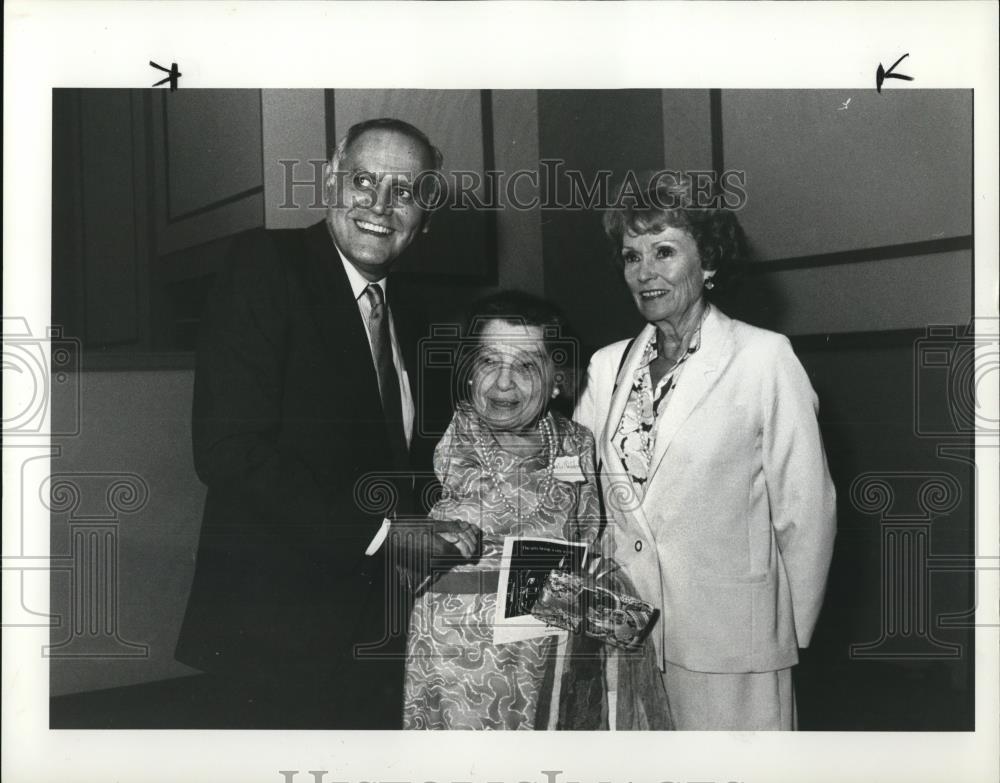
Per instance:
x=436, y=541
x=463, y=538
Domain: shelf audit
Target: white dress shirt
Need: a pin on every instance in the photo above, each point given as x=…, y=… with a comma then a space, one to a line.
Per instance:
x=358, y=286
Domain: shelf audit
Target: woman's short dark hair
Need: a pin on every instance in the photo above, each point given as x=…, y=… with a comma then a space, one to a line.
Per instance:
x=519, y=307
x=669, y=201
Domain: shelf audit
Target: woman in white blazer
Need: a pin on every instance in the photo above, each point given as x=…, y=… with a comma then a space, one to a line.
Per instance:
x=720, y=503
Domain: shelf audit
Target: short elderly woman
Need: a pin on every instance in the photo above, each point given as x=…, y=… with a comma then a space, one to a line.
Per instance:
x=713, y=471
x=510, y=465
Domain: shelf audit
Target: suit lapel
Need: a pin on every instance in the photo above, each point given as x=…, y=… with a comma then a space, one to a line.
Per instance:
x=613, y=469
x=621, y=394
x=697, y=376
x=336, y=312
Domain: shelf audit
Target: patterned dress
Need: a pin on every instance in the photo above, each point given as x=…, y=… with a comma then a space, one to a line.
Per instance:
x=456, y=678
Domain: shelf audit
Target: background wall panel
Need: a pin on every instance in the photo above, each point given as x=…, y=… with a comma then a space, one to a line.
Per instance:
x=592, y=131
x=108, y=206
x=888, y=169
x=898, y=293
x=519, y=231
x=132, y=422
x=293, y=128
x=867, y=386
x=207, y=165
x=213, y=145
x=687, y=130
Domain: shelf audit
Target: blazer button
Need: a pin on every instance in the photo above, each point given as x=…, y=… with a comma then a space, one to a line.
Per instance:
x=638, y=546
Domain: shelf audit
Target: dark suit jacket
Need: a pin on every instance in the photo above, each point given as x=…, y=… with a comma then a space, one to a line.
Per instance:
x=287, y=419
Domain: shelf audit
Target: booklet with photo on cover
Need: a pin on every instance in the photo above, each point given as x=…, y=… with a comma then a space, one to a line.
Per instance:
x=525, y=567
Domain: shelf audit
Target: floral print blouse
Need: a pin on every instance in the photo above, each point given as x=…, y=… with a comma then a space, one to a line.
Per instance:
x=636, y=434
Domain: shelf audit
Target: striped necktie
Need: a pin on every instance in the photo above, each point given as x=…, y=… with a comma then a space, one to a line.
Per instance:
x=388, y=379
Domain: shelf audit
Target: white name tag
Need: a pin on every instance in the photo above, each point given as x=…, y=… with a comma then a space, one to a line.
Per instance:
x=568, y=469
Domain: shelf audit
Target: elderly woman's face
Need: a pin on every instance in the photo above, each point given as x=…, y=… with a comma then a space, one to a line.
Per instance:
x=513, y=376
x=663, y=272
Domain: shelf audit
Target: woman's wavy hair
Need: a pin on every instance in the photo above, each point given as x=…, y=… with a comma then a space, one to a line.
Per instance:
x=670, y=201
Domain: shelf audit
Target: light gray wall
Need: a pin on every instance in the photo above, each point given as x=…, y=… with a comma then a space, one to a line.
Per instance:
x=872, y=183
x=134, y=433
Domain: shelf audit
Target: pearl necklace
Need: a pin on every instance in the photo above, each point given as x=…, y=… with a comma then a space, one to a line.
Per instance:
x=547, y=428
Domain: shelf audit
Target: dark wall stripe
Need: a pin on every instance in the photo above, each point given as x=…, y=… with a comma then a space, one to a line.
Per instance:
x=171, y=217
x=166, y=157
x=114, y=361
x=82, y=272
x=331, y=122
x=490, y=229
x=215, y=205
x=884, y=253
x=715, y=119
x=849, y=341
x=592, y=131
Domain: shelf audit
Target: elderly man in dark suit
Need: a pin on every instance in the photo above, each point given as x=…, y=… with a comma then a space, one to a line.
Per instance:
x=304, y=386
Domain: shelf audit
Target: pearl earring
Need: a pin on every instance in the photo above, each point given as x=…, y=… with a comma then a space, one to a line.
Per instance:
x=709, y=284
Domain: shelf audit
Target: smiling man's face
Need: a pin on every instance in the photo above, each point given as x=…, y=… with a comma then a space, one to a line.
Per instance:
x=375, y=216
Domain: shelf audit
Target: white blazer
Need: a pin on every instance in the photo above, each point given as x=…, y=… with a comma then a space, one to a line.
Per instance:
x=733, y=537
